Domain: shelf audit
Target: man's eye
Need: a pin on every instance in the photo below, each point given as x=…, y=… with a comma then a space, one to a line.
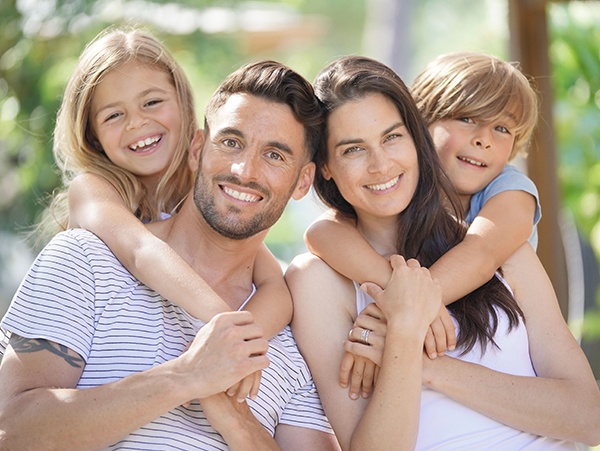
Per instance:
x=231, y=143
x=274, y=155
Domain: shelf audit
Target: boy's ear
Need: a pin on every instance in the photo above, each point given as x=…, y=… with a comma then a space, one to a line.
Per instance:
x=195, y=149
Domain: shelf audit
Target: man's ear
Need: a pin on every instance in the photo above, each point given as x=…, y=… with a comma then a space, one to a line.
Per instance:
x=195, y=149
x=305, y=181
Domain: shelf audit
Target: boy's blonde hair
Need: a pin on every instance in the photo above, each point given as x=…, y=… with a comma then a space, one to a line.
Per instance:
x=479, y=86
x=77, y=149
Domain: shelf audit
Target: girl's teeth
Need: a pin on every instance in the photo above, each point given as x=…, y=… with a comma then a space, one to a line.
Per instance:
x=144, y=142
x=384, y=186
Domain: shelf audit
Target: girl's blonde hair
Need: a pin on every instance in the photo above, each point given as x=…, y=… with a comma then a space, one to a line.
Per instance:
x=77, y=149
x=479, y=86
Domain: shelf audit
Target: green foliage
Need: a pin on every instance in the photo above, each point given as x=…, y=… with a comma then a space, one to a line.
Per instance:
x=575, y=51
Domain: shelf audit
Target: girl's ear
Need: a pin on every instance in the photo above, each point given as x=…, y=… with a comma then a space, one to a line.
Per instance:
x=195, y=149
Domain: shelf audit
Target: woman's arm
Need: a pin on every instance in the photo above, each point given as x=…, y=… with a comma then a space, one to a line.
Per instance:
x=96, y=206
x=501, y=227
x=324, y=310
x=271, y=305
x=563, y=402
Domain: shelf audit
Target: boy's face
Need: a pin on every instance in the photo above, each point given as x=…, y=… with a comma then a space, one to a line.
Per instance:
x=473, y=152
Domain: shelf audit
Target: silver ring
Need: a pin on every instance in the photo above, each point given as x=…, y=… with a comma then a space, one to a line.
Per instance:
x=364, y=336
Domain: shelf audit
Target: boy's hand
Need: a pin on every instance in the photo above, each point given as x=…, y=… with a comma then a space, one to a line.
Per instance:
x=441, y=335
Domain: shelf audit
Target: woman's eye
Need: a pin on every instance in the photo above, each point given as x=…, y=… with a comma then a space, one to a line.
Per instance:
x=351, y=150
x=392, y=136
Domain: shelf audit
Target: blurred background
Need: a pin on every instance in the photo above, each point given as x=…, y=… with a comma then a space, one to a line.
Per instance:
x=40, y=41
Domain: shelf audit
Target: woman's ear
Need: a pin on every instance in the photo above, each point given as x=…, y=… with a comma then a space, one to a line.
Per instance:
x=195, y=149
x=325, y=172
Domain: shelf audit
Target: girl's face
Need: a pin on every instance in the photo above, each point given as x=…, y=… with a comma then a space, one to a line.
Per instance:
x=371, y=157
x=473, y=152
x=136, y=117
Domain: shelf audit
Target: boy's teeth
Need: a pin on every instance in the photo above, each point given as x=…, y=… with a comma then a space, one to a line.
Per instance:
x=468, y=160
x=383, y=186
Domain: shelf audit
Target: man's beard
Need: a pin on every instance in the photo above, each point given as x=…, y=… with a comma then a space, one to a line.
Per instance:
x=230, y=227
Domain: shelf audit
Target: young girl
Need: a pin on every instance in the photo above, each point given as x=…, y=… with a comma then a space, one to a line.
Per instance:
x=481, y=112
x=121, y=141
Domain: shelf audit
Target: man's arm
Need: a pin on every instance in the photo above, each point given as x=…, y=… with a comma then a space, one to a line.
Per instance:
x=40, y=408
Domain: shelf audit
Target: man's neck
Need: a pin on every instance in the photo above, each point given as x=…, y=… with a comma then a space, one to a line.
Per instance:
x=226, y=265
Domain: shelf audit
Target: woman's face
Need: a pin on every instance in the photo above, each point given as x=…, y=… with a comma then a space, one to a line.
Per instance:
x=371, y=156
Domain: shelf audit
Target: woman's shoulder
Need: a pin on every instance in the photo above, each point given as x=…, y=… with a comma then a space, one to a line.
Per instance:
x=309, y=271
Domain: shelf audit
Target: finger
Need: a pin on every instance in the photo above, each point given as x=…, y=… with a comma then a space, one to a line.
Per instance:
x=449, y=327
x=439, y=332
x=367, y=380
x=244, y=387
x=232, y=391
x=356, y=380
x=430, y=348
x=345, y=369
x=397, y=261
x=375, y=325
x=255, y=385
x=372, y=289
x=373, y=353
x=373, y=311
x=413, y=263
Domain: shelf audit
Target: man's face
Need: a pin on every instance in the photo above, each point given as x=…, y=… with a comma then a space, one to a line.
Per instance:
x=253, y=159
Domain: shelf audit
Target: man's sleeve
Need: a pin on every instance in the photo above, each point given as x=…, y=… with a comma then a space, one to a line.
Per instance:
x=56, y=299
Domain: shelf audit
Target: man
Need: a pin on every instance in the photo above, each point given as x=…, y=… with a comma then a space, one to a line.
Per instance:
x=95, y=358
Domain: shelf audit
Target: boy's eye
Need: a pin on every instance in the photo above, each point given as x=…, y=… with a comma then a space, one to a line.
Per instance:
x=466, y=120
x=502, y=129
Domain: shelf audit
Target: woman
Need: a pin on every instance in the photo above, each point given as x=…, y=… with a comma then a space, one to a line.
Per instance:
x=379, y=168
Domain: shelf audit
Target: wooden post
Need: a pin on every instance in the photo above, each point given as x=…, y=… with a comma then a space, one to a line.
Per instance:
x=529, y=46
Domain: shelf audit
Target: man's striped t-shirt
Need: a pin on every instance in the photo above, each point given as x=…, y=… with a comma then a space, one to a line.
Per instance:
x=79, y=295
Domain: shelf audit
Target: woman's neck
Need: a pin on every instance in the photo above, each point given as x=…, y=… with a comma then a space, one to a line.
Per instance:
x=381, y=233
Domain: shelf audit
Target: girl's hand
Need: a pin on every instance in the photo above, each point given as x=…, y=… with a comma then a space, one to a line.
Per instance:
x=441, y=335
x=247, y=387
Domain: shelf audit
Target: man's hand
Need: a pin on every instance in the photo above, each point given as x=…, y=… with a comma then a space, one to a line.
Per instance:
x=227, y=349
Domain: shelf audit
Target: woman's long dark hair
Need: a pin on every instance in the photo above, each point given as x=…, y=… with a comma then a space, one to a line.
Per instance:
x=432, y=223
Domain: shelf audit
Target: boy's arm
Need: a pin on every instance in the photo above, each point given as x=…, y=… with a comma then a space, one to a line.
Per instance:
x=501, y=227
x=272, y=304
x=341, y=246
x=96, y=206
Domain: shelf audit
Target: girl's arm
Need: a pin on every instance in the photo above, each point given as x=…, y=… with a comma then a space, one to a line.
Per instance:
x=272, y=304
x=96, y=206
x=336, y=241
x=563, y=402
x=504, y=223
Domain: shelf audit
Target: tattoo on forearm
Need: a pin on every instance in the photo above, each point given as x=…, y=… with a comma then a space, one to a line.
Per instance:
x=24, y=345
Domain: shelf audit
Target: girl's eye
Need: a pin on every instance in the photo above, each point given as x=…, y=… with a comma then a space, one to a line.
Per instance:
x=154, y=102
x=112, y=116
